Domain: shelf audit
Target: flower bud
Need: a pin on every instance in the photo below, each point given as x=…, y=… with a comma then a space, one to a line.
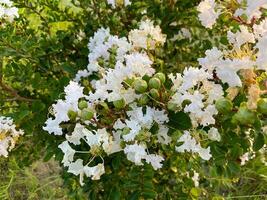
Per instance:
x=161, y=77
x=144, y=99
x=72, y=115
x=154, y=93
x=262, y=106
x=244, y=116
x=154, y=83
x=224, y=105
x=119, y=104
x=87, y=114
x=172, y=106
x=82, y=104
x=126, y=131
x=143, y=136
x=140, y=85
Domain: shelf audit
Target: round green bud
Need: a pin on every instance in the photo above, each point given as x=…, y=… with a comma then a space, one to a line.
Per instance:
x=154, y=83
x=82, y=104
x=140, y=85
x=87, y=114
x=119, y=104
x=72, y=115
x=172, y=106
x=154, y=93
x=224, y=105
x=144, y=99
x=262, y=106
x=126, y=130
x=161, y=77
x=186, y=102
x=244, y=116
x=143, y=136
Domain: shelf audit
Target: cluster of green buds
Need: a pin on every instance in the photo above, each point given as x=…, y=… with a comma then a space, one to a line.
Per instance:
x=151, y=88
x=85, y=113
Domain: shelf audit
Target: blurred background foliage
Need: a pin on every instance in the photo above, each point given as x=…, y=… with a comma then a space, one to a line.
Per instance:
x=43, y=49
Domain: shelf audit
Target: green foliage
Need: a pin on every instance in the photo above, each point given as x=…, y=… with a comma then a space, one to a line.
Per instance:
x=42, y=50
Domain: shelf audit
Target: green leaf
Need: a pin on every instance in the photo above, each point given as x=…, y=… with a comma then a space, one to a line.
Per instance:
x=115, y=194
x=134, y=196
x=180, y=121
x=258, y=142
x=149, y=194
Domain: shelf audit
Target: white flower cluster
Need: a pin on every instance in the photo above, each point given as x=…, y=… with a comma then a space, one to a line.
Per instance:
x=147, y=36
x=199, y=93
x=114, y=3
x=239, y=65
x=208, y=13
x=209, y=10
x=127, y=63
x=190, y=145
x=252, y=10
x=7, y=11
x=228, y=63
x=8, y=135
x=117, y=62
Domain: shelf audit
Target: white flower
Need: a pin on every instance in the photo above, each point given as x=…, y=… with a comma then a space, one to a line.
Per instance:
x=77, y=168
x=214, y=134
x=213, y=56
x=154, y=160
x=8, y=135
x=260, y=30
x=227, y=70
x=7, y=11
x=76, y=135
x=60, y=110
x=240, y=37
x=94, y=172
x=208, y=13
x=193, y=76
x=113, y=3
x=162, y=135
x=68, y=153
x=138, y=120
x=252, y=9
x=4, y=145
x=135, y=153
x=261, y=55
x=147, y=36
x=190, y=145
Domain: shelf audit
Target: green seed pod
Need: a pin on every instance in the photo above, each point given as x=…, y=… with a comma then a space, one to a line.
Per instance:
x=154, y=93
x=140, y=85
x=143, y=136
x=224, y=105
x=244, y=116
x=82, y=104
x=262, y=106
x=87, y=114
x=144, y=99
x=119, y=104
x=172, y=106
x=126, y=130
x=154, y=83
x=161, y=77
x=72, y=115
